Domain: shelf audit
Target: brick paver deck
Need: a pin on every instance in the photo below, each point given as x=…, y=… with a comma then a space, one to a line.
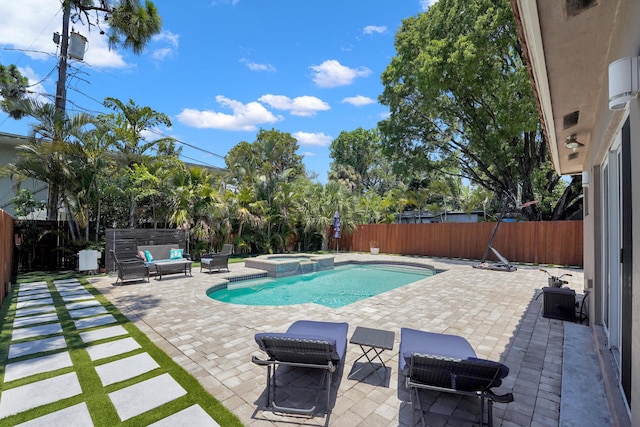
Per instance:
x=496, y=311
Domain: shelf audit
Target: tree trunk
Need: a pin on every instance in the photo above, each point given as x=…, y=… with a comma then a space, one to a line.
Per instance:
x=132, y=211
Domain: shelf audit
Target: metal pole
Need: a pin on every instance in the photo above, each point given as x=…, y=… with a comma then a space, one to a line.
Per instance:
x=486, y=251
x=61, y=89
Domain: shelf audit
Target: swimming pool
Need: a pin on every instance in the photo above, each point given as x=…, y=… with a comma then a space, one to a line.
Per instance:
x=335, y=288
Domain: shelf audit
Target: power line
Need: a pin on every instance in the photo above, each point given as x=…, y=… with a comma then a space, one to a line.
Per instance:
x=186, y=144
x=15, y=49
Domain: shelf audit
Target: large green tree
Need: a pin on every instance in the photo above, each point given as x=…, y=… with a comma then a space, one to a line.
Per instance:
x=460, y=98
x=358, y=162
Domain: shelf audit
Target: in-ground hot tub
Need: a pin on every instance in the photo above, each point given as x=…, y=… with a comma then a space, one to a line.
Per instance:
x=283, y=265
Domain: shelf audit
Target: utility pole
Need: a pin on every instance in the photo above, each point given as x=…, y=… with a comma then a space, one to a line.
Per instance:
x=61, y=101
x=61, y=89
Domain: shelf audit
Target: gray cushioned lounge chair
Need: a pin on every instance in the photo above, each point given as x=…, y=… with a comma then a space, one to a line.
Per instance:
x=218, y=260
x=448, y=363
x=130, y=269
x=306, y=344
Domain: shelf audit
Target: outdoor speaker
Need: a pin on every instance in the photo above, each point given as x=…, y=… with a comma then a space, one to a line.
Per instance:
x=623, y=82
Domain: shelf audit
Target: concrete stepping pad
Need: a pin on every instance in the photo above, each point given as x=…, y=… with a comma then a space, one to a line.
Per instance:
x=33, y=292
x=69, y=284
x=82, y=304
x=73, y=416
x=191, y=416
x=35, y=310
x=86, y=312
x=33, y=296
x=124, y=369
x=36, y=331
x=64, y=281
x=34, y=320
x=142, y=397
x=37, y=346
x=77, y=296
x=25, y=368
x=39, y=393
x=33, y=303
x=32, y=285
x=100, y=334
x=91, y=322
x=112, y=348
x=73, y=291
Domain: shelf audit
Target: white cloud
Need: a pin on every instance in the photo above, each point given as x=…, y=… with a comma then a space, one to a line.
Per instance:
x=370, y=29
x=331, y=74
x=305, y=106
x=170, y=41
x=425, y=4
x=309, y=154
x=29, y=25
x=244, y=117
x=359, y=100
x=158, y=132
x=254, y=66
x=168, y=37
x=313, y=139
x=160, y=54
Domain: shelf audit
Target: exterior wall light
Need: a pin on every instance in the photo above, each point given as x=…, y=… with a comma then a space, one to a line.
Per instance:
x=572, y=142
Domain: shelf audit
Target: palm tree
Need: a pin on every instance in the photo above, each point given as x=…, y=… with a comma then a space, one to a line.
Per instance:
x=320, y=204
x=197, y=205
x=246, y=209
x=47, y=156
x=286, y=205
x=128, y=123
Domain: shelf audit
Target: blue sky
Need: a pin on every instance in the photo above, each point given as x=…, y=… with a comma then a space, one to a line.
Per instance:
x=224, y=69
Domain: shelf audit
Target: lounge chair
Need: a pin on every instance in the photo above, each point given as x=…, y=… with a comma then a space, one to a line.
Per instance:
x=306, y=344
x=448, y=363
x=130, y=269
x=217, y=260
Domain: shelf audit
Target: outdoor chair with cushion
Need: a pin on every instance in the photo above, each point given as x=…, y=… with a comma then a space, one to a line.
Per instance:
x=448, y=363
x=306, y=344
x=218, y=260
x=130, y=269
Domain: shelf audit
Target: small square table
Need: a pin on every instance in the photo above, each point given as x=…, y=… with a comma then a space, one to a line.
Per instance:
x=376, y=341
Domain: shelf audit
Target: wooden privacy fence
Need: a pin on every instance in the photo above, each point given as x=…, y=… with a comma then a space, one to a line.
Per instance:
x=539, y=242
x=7, y=262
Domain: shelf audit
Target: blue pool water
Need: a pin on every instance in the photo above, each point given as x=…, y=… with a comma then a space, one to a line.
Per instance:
x=332, y=288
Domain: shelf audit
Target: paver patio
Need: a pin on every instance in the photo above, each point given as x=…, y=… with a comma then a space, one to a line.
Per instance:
x=496, y=311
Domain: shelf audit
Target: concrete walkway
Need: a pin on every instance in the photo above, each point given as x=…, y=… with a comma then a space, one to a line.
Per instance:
x=39, y=346
x=496, y=311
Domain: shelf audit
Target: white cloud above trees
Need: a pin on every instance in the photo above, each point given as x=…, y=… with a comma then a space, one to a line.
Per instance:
x=333, y=74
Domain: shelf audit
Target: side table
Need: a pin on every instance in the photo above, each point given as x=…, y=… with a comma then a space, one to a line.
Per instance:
x=372, y=341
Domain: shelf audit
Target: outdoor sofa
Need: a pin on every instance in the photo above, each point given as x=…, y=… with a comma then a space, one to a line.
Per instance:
x=166, y=259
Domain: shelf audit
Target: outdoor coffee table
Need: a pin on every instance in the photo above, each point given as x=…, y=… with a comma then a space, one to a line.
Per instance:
x=372, y=341
x=172, y=265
